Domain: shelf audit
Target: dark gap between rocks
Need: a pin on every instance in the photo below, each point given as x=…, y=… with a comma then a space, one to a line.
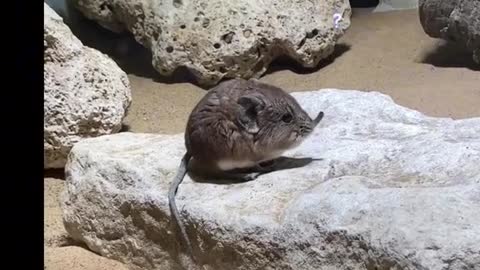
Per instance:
x=285, y=62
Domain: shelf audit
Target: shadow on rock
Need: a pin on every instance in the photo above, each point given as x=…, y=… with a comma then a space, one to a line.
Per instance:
x=450, y=54
x=54, y=173
x=130, y=56
x=281, y=163
x=125, y=128
x=287, y=63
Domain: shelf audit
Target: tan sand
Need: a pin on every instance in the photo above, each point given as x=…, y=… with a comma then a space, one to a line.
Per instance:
x=385, y=52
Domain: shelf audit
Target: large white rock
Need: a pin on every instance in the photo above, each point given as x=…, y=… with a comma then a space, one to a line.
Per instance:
x=394, y=189
x=86, y=93
x=218, y=39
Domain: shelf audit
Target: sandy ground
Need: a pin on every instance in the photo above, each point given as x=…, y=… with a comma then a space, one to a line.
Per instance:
x=385, y=52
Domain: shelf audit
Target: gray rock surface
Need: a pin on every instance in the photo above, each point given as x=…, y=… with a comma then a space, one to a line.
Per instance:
x=218, y=39
x=86, y=94
x=394, y=189
x=456, y=20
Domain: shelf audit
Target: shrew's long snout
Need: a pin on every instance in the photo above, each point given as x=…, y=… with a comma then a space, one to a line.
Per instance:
x=308, y=126
x=318, y=119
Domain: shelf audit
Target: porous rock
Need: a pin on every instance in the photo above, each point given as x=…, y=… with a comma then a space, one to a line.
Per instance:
x=86, y=94
x=218, y=39
x=393, y=189
x=456, y=21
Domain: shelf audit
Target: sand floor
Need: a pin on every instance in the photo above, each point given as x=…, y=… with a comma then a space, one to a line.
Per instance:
x=385, y=52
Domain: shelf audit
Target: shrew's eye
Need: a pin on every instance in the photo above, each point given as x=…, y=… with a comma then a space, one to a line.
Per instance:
x=287, y=118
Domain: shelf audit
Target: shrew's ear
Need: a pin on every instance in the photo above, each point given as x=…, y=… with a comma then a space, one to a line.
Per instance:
x=250, y=106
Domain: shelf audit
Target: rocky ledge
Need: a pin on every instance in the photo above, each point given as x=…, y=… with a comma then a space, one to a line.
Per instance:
x=392, y=189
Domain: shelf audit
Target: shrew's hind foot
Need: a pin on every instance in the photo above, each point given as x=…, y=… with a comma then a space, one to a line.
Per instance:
x=266, y=166
x=241, y=177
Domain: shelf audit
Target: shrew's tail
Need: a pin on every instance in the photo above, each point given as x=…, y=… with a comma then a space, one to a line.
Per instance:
x=181, y=172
